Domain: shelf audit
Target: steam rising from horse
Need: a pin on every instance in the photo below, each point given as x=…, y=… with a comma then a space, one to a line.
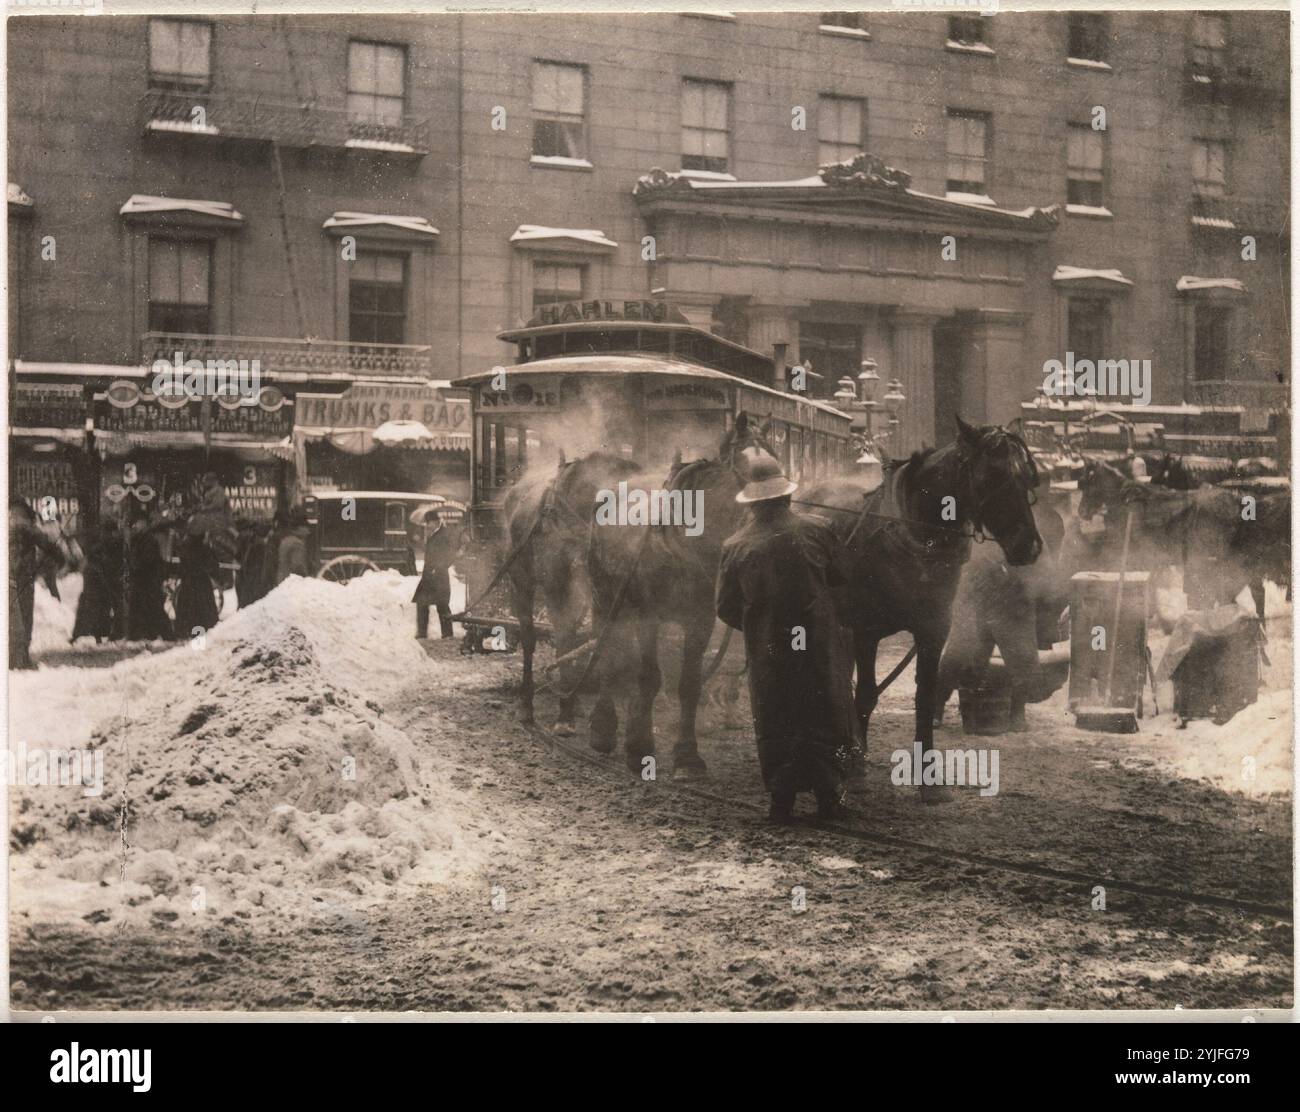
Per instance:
x=645, y=576
x=548, y=521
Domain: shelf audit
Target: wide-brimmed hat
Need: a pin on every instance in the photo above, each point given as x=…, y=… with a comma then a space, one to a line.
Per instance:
x=766, y=481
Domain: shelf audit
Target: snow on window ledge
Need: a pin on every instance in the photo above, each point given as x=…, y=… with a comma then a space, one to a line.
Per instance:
x=848, y=32
x=969, y=47
x=707, y=175
x=379, y=145
x=726, y=17
x=1098, y=211
x=1088, y=63
x=969, y=198
x=561, y=162
x=183, y=126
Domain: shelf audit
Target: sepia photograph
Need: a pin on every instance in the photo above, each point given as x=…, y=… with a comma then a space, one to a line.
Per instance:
x=587, y=512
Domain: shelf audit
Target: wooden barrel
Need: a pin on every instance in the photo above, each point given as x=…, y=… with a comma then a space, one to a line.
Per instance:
x=986, y=708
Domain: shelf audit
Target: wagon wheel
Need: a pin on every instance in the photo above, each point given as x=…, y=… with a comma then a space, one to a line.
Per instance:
x=343, y=569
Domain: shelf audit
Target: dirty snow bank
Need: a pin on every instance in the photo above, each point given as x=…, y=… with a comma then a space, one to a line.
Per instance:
x=256, y=772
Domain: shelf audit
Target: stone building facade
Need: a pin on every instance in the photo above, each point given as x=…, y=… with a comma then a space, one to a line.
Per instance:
x=959, y=198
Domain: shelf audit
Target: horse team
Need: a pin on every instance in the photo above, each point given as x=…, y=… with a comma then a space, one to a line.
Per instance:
x=901, y=547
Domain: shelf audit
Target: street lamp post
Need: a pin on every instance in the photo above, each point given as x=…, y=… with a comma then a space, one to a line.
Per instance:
x=860, y=398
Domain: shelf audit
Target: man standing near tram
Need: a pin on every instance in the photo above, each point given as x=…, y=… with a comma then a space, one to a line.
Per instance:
x=774, y=584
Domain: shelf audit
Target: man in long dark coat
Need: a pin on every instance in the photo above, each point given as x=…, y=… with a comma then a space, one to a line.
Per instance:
x=435, y=580
x=101, y=610
x=774, y=584
x=28, y=548
x=145, y=595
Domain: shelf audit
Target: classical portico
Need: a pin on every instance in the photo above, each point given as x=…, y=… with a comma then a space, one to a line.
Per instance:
x=855, y=258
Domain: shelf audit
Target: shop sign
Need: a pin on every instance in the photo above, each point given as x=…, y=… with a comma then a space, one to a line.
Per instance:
x=368, y=405
x=120, y=410
x=48, y=405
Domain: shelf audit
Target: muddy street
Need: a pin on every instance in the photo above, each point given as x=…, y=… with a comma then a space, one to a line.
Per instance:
x=611, y=892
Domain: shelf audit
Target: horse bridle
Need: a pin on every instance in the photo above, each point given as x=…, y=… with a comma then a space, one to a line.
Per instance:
x=1028, y=482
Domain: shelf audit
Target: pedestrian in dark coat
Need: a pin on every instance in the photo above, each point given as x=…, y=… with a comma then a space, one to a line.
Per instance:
x=196, y=605
x=271, y=554
x=250, y=553
x=101, y=610
x=294, y=556
x=434, y=589
x=146, y=614
x=29, y=548
x=774, y=584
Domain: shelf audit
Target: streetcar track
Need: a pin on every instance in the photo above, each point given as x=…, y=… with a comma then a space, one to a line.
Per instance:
x=863, y=833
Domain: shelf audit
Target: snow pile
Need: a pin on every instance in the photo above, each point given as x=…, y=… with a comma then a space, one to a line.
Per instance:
x=1251, y=753
x=256, y=770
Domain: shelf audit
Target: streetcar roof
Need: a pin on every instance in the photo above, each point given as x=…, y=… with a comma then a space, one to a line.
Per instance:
x=641, y=364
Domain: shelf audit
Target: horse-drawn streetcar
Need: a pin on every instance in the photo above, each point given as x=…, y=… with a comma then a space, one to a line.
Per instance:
x=633, y=380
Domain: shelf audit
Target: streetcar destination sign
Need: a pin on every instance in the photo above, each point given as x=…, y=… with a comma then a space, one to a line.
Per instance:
x=658, y=312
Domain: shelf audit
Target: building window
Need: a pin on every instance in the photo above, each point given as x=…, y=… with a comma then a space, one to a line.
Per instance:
x=377, y=299
x=557, y=282
x=180, y=55
x=180, y=285
x=705, y=125
x=831, y=351
x=1085, y=158
x=1087, y=36
x=848, y=21
x=1209, y=43
x=1087, y=324
x=840, y=134
x=1209, y=167
x=376, y=83
x=967, y=30
x=967, y=151
x=559, y=110
x=1211, y=341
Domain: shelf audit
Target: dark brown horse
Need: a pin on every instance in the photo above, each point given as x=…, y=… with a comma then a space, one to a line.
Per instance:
x=645, y=576
x=547, y=520
x=905, y=545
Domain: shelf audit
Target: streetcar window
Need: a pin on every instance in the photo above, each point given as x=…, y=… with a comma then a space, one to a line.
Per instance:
x=395, y=518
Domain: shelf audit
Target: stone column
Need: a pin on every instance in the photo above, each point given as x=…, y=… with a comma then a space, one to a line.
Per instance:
x=768, y=325
x=913, y=364
x=995, y=374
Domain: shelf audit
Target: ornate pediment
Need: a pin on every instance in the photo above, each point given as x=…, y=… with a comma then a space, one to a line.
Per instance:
x=862, y=189
x=660, y=181
x=866, y=171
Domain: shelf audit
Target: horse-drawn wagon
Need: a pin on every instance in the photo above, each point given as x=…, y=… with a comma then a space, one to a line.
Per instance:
x=356, y=531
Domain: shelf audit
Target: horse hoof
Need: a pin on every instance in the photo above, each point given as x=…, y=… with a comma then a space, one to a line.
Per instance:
x=602, y=745
x=564, y=729
x=690, y=772
x=932, y=794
